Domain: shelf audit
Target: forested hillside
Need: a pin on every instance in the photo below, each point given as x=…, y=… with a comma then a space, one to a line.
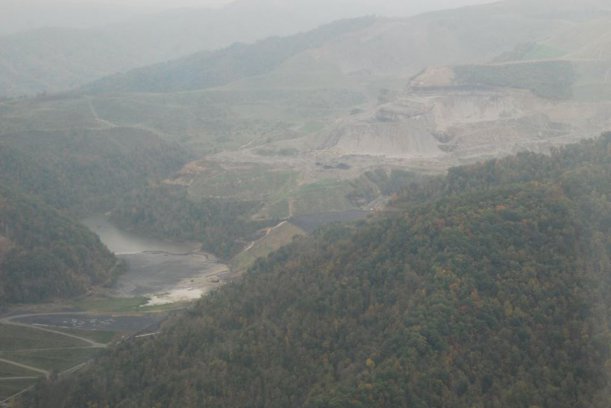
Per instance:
x=222, y=226
x=487, y=288
x=44, y=255
x=47, y=180
x=226, y=225
x=86, y=170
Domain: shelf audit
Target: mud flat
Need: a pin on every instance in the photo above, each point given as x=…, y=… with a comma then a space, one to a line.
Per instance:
x=170, y=278
x=164, y=272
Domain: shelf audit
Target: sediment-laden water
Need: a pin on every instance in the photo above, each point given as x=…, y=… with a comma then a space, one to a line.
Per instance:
x=165, y=272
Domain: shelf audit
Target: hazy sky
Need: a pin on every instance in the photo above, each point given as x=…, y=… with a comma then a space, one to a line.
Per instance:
x=8, y=5
x=23, y=15
x=142, y=4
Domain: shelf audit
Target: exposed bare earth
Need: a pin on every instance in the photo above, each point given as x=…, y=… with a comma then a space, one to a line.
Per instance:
x=451, y=126
x=164, y=272
x=170, y=278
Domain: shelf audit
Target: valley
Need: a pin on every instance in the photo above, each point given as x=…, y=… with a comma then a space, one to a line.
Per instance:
x=46, y=345
x=380, y=211
x=462, y=259
x=162, y=272
x=58, y=339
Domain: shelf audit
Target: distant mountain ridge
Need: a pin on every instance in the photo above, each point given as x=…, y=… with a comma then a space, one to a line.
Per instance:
x=50, y=60
x=211, y=69
x=381, y=47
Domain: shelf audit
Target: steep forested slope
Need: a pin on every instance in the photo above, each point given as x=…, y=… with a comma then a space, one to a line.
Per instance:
x=47, y=177
x=85, y=170
x=44, y=255
x=222, y=226
x=487, y=288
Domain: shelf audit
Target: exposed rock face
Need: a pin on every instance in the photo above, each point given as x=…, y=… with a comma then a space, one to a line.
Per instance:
x=461, y=123
x=400, y=139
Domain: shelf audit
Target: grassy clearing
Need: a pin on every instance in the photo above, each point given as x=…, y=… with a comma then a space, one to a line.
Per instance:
x=248, y=183
x=593, y=93
x=9, y=370
x=227, y=118
x=323, y=196
x=10, y=388
x=319, y=197
x=48, y=115
x=543, y=51
x=104, y=304
x=548, y=79
x=170, y=307
x=19, y=338
x=58, y=360
x=532, y=51
x=593, y=84
x=277, y=210
x=275, y=239
x=101, y=336
x=312, y=127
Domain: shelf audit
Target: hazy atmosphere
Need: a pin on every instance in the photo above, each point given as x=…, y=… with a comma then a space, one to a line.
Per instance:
x=22, y=15
x=305, y=203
